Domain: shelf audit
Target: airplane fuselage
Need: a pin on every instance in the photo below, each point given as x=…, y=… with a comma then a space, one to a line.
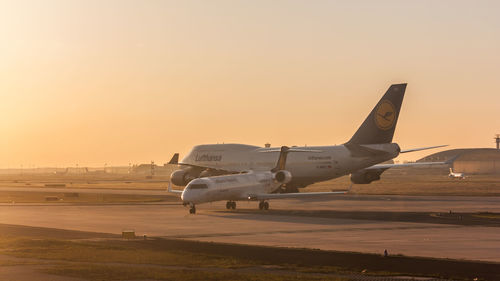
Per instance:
x=320, y=164
x=229, y=187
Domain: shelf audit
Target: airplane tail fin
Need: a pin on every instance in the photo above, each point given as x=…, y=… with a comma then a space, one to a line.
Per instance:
x=282, y=160
x=451, y=170
x=174, y=160
x=379, y=126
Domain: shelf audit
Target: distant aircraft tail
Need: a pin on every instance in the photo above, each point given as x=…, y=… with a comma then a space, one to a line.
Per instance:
x=174, y=160
x=379, y=126
x=451, y=170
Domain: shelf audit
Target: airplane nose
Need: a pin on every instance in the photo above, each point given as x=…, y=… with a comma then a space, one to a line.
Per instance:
x=187, y=196
x=184, y=196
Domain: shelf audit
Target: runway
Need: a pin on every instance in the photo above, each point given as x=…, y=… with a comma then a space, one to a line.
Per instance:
x=299, y=227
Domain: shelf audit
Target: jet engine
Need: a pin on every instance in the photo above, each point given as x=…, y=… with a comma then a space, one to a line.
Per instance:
x=183, y=177
x=366, y=176
x=283, y=176
x=212, y=172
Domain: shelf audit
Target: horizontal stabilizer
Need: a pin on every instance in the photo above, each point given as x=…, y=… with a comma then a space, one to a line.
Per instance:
x=422, y=148
x=412, y=164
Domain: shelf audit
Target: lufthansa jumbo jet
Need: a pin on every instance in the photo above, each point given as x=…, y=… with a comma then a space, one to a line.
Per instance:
x=361, y=156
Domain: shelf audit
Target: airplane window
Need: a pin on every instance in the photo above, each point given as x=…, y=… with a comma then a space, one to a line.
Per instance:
x=198, y=186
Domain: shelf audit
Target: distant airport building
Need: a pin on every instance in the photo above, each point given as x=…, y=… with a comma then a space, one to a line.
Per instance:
x=152, y=169
x=117, y=170
x=470, y=160
x=77, y=170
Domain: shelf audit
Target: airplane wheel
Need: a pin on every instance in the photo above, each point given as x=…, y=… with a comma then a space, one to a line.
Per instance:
x=192, y=210
x=261, y=205
x=233, y=205
x=266, y=206
x=228, y=205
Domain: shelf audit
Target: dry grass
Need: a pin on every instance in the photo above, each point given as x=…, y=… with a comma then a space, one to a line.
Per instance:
x=104, y=272
x=396, y=181
x=125, y=260
x=40, y=197
x=488, y=216
x=112, y=251
x=417, y=182
x=9, y=262
x=86, y=181
x=170, y=259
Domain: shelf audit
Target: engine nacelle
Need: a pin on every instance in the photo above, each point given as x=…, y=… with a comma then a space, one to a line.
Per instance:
x=366, y=176
x=181, y=177
x=212, y=173
x=283, y=176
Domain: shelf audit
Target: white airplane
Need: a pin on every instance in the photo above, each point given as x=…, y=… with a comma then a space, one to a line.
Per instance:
x=252, y=185
x=454, y=175
x=360, y=156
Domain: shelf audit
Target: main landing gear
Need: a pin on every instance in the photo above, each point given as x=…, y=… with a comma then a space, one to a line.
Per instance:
x=231, y=205
x=192, y=209
x=263, y=205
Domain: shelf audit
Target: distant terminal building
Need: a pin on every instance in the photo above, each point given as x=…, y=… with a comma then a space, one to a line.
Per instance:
x=470, y=160
x=152, y=169
x=117, y=170
x=76, y=170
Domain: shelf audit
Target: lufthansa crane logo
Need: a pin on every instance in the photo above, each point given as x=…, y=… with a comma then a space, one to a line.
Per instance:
x=385, y=115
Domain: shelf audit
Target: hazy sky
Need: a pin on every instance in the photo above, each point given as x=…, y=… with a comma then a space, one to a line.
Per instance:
x=118, y=82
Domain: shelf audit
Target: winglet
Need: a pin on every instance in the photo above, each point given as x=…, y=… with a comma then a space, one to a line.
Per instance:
x=174, y=160
x=422, y=148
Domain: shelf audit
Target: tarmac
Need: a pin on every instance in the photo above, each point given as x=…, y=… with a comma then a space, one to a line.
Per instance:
x=289, y=223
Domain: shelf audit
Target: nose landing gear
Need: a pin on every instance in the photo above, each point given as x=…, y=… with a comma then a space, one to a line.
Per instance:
x=192, y=209
x=263, y=205
x=231, y=205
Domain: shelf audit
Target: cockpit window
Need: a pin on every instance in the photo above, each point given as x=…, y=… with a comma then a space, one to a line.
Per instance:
x=198, y=186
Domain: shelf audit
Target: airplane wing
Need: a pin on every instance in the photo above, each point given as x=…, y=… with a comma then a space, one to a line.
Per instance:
x=421, y=148
x=170, y=190
x=293, y=195
x=291, y=150
x=387, y=166
x=232, y=170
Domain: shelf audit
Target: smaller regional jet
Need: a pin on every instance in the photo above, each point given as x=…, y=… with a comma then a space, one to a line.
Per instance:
x=454, y=175
x=250, y=185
